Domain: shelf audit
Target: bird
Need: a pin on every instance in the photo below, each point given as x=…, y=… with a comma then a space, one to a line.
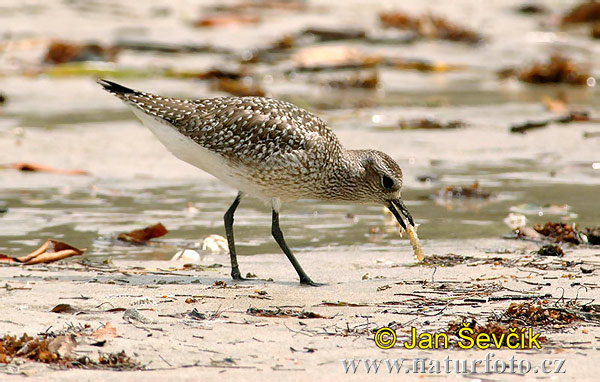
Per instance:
x=269, y=149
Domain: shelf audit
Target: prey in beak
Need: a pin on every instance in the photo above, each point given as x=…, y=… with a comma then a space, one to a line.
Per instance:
x=400, y=212
x=406, y=221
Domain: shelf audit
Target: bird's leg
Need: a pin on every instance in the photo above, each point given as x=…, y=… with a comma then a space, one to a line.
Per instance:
x=235, y=269
x=278, y=235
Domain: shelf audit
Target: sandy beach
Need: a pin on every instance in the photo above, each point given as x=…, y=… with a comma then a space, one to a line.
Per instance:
x=224, y=339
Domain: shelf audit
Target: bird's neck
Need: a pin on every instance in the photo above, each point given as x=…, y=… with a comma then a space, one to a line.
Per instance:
x=343, y=176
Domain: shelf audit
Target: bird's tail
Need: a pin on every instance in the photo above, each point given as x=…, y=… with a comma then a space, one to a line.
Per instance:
x=119, y=90
x=168, y=109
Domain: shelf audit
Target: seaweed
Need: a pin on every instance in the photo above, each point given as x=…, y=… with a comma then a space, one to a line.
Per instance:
x=559, y=232
x=550, y=250
x=585, y=12
x=370, y=81
x=60, y=52
x=56, y=350
x=141, y=236
x=428, y=25
x=558, y=69
x=464, y=192
x=539, y=314
x=429, y=124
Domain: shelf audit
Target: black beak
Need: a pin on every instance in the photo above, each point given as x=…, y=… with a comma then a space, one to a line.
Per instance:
x=400, y=212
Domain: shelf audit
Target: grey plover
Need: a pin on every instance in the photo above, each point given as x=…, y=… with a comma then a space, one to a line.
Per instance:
x=269, y=149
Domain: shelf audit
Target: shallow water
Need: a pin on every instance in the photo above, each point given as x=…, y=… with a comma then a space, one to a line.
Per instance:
x=71, y=123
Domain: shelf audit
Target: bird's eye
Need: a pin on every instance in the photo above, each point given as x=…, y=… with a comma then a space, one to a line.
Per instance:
x=387, y=182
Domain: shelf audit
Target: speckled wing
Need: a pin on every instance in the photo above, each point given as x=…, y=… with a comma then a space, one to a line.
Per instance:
x=254, y=131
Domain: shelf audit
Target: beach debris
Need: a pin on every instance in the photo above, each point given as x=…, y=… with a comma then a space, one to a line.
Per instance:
x=429, y=124
x=197, y=315
x=573, y=116
x=215, y=244
x=559, y=232
x=133, y=315
x=540, y=314
x=2, y=98
x=108, y=330
x=221, y=20
x=429, y=26
x=27, y=347
x=141, y=236
x=550, y=250
x=463, y=192
x=35, y=167
x=314, y=35
x=593, y=235
x=117, y=361
x=515, y=221
x=558, y=69
x=282, y=313
x=64, y=308
x=447, y=260
x=62, y=345
x=322, y=34
x=586, y=12
x=341, y=303
x=59, y=350
x=595, y=31
x=357, y=81
x=61, y=52
x=188, y=256
x=50, y=251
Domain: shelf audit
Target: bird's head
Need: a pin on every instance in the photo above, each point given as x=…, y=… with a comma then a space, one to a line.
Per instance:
x=380, y=182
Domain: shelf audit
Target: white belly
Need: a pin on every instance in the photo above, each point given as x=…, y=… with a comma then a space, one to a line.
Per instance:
x=191, y=152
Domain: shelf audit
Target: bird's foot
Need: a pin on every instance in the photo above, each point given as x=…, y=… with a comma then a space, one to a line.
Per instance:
x=236, y=275
x=309, y=282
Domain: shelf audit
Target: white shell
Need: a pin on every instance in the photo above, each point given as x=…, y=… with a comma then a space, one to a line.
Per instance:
x=187, y=256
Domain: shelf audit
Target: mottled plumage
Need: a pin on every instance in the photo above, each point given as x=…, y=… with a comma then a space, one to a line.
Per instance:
x=267, y=148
